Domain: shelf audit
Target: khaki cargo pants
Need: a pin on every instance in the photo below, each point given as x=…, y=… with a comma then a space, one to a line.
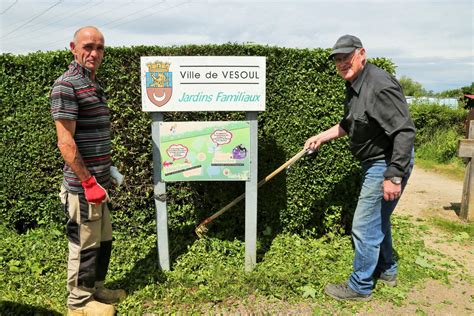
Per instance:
x=89, y=231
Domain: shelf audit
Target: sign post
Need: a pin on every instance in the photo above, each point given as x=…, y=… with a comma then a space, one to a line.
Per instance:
x=251, y=190
x=159, y=189
x=466, y=150
x=204, y=151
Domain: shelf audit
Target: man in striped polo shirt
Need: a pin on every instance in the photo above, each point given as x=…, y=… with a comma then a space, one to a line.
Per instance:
x=82, y=120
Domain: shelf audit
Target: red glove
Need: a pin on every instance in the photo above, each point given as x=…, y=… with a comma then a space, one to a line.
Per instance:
x=93, y=191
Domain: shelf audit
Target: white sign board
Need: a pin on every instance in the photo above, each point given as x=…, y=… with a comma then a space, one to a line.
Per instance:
x=202, y=83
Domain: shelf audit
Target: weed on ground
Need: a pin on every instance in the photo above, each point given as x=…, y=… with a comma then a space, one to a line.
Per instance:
x=209, y=276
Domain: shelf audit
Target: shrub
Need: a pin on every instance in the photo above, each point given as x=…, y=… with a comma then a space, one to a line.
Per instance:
x=441, y=148
x=438, y=130
x=429, y=118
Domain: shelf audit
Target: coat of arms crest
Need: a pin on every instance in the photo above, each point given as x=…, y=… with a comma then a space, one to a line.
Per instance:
x=159, y=85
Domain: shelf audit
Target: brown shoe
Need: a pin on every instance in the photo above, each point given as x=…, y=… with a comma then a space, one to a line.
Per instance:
x=107, y=296
x=93, y=308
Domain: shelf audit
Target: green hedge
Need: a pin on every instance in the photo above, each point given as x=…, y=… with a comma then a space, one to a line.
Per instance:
x=438, y=130
x=430, y=118
x=304, y=97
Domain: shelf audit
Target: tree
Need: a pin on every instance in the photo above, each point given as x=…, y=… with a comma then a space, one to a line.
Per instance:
x=458, y=93
x=412, y=88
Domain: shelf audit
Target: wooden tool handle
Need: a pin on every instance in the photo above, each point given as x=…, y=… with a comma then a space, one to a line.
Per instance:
x=287, y=164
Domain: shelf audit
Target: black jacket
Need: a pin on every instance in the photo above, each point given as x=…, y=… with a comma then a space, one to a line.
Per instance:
x=377, y=120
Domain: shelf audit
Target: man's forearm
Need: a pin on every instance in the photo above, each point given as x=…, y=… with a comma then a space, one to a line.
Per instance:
x=73, y=159
x=334, y=132
x=68, y=148
x=401, y=154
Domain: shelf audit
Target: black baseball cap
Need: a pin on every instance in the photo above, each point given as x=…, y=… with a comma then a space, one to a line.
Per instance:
x=345, y=44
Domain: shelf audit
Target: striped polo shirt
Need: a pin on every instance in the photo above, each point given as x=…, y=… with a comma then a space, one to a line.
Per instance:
x=75, y=96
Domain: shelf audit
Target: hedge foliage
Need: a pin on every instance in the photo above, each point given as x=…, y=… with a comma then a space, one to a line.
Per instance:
x=438, y=130
x=432, y=118
x=304, y=96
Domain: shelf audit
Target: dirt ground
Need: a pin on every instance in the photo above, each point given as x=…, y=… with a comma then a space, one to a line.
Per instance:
x=429, y=195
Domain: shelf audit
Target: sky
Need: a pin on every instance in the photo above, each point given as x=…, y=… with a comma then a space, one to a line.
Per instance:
x=430, y=41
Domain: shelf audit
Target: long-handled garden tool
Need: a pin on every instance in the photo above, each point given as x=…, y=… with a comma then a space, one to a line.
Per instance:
x=201, y=229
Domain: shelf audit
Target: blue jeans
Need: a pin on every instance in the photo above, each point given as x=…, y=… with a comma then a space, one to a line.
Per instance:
x=371, y=229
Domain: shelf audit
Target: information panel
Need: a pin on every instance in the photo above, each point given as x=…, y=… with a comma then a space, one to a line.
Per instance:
x=203, y=151
x=203, y=83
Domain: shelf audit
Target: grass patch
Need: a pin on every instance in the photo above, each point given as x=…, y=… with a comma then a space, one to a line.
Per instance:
x=440, y=145
x=209, y=276
x=436, y=149
x=454, y=169
x=32, y=271
x=464, y=231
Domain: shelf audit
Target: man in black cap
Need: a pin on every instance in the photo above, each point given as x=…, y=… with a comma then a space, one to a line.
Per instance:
x=381, y=135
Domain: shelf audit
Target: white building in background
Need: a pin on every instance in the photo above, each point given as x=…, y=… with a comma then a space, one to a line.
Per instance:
x=449, y=102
